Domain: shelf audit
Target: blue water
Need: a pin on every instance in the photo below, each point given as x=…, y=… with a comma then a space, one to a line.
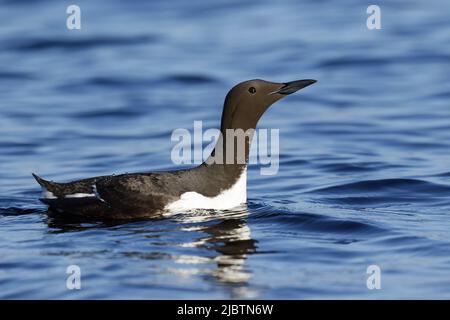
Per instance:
x=364, y=174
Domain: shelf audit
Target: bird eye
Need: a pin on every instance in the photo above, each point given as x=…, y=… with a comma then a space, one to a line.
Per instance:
x=252, y=90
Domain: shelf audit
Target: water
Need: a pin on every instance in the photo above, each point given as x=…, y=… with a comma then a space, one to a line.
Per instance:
x=364, y=173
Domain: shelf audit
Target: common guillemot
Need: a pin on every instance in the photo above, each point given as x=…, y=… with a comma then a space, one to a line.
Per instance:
x=211, y=185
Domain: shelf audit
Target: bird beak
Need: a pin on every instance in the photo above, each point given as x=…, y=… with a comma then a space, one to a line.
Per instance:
x=293, y=86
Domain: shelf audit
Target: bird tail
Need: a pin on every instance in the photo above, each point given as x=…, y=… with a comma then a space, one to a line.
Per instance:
x=71, y=198
x=44, y=183
x=50, y=189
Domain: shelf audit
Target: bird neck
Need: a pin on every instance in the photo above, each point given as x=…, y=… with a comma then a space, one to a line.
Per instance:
x=232, y=147
x=231, y=153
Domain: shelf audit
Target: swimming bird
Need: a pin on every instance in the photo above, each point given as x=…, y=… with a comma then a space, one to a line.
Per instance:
x=218, y=183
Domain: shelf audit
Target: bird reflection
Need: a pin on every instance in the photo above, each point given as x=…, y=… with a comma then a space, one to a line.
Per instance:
x=225, y=234
x=232, y=240
x=228, y=235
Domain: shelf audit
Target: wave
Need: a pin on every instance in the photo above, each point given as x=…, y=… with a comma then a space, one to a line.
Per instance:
x=280, y=218
x=81, y=43
x=190, y=78
x=387, y=186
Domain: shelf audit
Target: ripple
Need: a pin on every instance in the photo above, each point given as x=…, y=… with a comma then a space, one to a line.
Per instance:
x=14, y=144
x=13, y=148
x=15, y=75
x=17, y=211
x=382, y=61
x=191, y=79
x=350, y=167
x=387, y=186
x=280, y=219
x=113, y=113
x=115, y=81
x=81, y=43
x=354, y=61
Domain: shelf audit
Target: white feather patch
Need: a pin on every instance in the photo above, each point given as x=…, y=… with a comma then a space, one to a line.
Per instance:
x=79, y=195
x=227, y=199
x=97, y=195
x=47, y=194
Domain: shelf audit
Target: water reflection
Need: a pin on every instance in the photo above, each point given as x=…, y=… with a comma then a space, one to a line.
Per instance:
x=232, y=240
x=228, y=235
x=222, y=242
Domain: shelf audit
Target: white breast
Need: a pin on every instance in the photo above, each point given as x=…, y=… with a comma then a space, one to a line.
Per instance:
x=227, y=199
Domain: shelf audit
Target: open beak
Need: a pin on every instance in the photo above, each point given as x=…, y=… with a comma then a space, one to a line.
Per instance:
x=293, y=86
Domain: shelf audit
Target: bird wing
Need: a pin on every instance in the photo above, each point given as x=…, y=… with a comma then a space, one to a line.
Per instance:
x=135, y=192
x=127, y=195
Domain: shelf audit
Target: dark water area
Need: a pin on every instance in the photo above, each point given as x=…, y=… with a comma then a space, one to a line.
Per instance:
x=364, y=175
